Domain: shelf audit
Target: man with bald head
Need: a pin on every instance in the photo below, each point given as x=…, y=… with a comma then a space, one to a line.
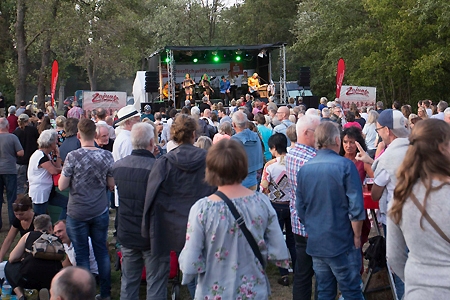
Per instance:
x=73, y=283
x=283, y=113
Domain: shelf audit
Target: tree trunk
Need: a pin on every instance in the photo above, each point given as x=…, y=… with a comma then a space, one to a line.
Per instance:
x=92, y=75
x=43, y=72
x=62, y=85
x=22, y=59
x=45, y=61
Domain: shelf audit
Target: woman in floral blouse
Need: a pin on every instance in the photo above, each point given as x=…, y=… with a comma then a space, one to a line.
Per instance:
x=216, y=250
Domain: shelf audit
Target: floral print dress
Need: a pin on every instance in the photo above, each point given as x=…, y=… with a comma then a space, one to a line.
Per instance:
x=217, y=251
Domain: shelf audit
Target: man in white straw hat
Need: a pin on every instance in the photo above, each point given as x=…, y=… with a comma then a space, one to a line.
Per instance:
x=127, y=117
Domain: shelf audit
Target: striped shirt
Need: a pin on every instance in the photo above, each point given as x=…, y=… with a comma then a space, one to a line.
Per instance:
x=295, y=159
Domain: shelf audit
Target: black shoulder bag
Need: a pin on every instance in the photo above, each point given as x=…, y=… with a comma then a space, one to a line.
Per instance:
x=241, y=223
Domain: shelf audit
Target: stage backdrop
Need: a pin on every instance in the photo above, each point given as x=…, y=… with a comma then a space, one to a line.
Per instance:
x=360, y=95
x=196, y=71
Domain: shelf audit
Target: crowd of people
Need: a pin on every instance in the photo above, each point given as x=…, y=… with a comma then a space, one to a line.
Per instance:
x=229, y=189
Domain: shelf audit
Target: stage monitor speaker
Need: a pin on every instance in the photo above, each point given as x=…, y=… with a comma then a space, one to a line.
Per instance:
x=310, y=101
x=156, y=106
x=304, y=78
x=151, y=82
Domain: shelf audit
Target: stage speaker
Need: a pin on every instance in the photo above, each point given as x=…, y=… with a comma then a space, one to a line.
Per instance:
x=156, y=106
x=151, y=82
x=304, y=78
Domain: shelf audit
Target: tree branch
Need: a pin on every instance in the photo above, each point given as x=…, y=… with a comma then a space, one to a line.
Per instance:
x=33, y=39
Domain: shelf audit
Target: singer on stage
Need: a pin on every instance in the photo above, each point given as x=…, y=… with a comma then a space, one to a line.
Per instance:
x=188, y=85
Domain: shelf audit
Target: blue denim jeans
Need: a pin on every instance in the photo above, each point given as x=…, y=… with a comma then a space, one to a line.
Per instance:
x=157, y=272
x=8, y=181
x=284, y=219
x=55, y=199
x=342, y=269
x=97, y=229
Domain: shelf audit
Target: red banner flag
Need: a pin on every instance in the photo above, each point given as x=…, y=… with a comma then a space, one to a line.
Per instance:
x=54, y=80
x=339, y=76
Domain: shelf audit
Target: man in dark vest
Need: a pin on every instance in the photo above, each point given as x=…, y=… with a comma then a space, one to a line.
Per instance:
x=131, y=175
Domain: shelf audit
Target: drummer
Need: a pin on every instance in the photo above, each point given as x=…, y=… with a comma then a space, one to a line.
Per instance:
x=188, y=85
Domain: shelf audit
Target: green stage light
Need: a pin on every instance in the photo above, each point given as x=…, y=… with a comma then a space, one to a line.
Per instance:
x=195, y=60
x=167, y=60
x=238, y=58
x=216, y=58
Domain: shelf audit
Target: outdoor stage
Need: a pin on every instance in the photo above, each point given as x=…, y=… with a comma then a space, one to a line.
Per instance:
x=173, y=62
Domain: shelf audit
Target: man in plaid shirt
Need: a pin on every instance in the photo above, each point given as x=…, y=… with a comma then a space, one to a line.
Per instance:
x=302, y=152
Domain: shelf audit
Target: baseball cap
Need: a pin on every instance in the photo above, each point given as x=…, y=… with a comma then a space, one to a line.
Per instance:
x=395, y=121
x=24, y=117
x=147, y=108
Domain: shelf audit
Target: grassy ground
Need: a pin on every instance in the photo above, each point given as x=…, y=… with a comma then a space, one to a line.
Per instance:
x=278, y=292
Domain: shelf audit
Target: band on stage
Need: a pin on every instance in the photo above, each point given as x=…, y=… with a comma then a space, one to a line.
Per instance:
x=226, y=87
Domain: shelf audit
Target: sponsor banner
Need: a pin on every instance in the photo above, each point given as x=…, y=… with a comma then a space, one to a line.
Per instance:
x=340, y=72
x=54, y=81
x=110, y=101
x=360, y=95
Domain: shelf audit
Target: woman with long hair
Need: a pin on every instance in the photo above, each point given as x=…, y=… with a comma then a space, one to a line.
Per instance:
x=45, y=125
x=350, y=139
x=422, y=195
x=422, y=113
x=369, y=133
x=215, y=250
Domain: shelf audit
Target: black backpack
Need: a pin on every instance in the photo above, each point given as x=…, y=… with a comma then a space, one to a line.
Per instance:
x=207, y=129
x=376, y=253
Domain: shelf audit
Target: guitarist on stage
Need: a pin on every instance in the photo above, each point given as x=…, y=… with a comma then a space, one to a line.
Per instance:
x=188, y=84
x=253, y=85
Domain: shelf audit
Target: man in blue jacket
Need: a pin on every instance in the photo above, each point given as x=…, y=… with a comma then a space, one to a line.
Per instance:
x=252, y=146
x=330, y=204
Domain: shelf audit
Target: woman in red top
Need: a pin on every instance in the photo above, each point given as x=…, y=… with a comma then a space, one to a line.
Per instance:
x=349, y=138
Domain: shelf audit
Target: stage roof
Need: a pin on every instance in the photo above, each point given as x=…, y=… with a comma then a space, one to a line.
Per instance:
x=235, y=47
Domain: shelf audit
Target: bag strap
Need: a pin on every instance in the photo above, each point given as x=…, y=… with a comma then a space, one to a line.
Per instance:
x=241, y=223
x=429, y=219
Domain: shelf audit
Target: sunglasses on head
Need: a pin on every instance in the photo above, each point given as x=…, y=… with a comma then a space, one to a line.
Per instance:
x=20, y=207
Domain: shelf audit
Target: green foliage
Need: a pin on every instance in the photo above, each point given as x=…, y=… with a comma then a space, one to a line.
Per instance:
x=398, y=46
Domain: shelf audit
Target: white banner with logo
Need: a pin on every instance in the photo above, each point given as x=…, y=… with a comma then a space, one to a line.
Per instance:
x=360, y=95
x=110, y=101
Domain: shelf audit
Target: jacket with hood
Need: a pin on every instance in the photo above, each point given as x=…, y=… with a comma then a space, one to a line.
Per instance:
x=176, y=182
